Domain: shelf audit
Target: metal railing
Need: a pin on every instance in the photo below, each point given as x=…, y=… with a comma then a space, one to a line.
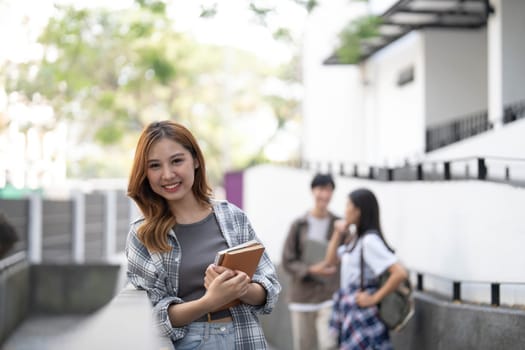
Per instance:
x=466, y=126
x=83, y=228
x=495, y=169
x=12, y=260
x=457, y=130
x=513, y=112
x=456, y=286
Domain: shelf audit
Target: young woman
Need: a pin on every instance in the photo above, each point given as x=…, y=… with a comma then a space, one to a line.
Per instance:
x=170, y=250
x=355, y=317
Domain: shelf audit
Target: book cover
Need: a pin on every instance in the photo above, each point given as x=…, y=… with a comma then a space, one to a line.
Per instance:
x=244, y=257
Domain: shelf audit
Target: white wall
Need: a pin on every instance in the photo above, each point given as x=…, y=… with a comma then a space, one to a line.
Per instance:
x=274, y=196
x=394, y=124
x=455, y=72
x=360, y=114
x=460, y=230
x=513, y=50
x=332, y=102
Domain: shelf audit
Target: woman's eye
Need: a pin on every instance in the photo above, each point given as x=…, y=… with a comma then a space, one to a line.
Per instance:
x=153, y=166
x=176, y=161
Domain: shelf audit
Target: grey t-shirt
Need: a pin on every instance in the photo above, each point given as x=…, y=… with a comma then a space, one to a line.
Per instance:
x=199, y=242
x=318, y=228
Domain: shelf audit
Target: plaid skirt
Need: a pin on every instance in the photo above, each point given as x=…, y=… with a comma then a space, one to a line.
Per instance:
x=355, y=327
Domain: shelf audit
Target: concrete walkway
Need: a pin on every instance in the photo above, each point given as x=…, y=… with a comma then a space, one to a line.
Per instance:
x=47, y=333
x=42, y=332
x=85, y=331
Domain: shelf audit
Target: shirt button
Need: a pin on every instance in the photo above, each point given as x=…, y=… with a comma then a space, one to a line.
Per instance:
x=223, y=329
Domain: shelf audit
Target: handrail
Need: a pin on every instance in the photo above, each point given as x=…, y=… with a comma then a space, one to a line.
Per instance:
x=459, y=159
x=495, y=299
x=419, y=171
x=469, y=281
x=12, y=260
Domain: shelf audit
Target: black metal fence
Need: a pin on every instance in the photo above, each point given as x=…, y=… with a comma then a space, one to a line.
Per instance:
x=456, y=130
x=466, y=126
x=496, y=169
x=456, y=285
x=513, y=112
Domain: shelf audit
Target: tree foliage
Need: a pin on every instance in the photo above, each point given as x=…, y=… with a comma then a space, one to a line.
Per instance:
x=353, y=37
x=109, y=73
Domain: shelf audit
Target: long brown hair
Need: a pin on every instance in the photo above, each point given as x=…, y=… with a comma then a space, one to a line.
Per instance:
x=158, y=219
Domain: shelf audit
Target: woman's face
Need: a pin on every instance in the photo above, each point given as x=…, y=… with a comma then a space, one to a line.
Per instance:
x=352, y=213
x=171, y=170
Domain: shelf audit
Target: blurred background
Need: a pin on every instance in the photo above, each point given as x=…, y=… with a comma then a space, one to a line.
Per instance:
x=420, y=100
x=81, y=78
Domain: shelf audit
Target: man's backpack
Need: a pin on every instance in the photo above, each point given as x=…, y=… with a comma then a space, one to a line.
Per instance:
x=397, y=308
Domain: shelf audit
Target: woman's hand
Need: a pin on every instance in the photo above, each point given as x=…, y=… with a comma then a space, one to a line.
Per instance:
x=212, y=271
x=322, y=269
x=364, y=299
x=397, y=274
x=341, y=226
x=224, y=285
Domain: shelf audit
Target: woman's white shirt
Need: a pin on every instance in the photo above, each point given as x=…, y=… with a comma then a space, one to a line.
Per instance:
x=376, y=255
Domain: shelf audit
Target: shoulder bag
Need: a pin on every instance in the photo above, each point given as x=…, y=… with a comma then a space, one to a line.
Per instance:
x=396, y=308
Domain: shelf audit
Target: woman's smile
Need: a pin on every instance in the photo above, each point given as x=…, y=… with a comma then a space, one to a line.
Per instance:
x=172, y=188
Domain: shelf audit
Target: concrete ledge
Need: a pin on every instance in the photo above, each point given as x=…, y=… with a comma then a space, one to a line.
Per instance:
x=436, y=325
x=72, y=289
x=440, y=325
x=125, y=323
x=14, y=293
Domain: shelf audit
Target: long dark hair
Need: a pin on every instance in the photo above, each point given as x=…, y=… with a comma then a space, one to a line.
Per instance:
x=366, y=201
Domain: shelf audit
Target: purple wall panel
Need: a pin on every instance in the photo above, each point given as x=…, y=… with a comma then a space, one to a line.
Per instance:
x=233, y=186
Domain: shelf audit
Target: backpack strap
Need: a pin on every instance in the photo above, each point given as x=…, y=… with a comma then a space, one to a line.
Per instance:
x=362, y=268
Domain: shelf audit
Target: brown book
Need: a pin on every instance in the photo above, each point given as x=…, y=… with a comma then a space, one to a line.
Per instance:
x=244, y=257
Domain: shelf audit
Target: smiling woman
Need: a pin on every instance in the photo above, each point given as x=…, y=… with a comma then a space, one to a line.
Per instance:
x=171, y=249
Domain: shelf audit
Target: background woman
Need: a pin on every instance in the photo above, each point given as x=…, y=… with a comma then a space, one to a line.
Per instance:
x=355, y=317
x=170, y=250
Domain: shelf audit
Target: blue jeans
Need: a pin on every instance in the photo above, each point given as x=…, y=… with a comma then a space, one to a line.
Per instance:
x=208, y=336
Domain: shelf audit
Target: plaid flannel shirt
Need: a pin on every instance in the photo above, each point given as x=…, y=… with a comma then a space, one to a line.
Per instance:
x=158, y=275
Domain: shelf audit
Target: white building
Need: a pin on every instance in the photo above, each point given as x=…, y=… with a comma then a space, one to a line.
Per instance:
x=439, y=71
x=456, y=69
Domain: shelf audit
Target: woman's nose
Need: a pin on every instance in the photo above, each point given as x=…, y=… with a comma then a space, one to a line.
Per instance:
x=167, y=173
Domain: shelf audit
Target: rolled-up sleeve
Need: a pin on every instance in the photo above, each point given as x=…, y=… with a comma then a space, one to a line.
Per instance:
x=267, y=278
x=144, y=274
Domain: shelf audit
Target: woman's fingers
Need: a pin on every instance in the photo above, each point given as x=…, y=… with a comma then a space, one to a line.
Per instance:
x=210, y=274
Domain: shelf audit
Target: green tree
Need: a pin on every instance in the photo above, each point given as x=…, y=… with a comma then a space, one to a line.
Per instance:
x=354, y=36
x=108, y=73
